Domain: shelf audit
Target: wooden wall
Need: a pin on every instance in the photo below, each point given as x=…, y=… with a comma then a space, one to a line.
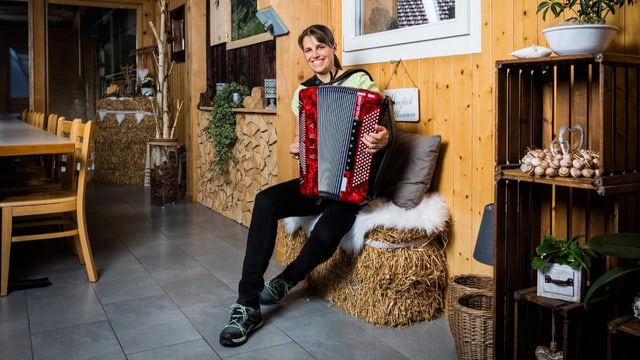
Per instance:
x=457, y=93
x=457, y=101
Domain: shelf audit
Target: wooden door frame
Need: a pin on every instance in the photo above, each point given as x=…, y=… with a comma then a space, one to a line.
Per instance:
x=38, y=35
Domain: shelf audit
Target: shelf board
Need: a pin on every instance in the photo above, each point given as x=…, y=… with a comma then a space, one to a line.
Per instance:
x=603, y=185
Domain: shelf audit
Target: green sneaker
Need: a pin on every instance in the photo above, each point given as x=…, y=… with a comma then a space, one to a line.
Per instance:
x=274, y=290
x=244, y=320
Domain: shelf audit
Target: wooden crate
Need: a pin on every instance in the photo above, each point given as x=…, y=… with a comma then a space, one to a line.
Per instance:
x=535, y=98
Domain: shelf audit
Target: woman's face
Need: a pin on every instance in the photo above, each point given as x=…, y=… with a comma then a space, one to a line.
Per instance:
x=319, y=56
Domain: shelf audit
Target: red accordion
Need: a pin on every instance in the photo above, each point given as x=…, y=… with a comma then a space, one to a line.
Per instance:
x=334, y=162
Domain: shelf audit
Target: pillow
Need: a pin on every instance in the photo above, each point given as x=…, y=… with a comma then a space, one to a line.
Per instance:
x=409, y=168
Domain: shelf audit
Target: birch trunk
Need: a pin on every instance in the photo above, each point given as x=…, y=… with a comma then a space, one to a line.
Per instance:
x=162, y=110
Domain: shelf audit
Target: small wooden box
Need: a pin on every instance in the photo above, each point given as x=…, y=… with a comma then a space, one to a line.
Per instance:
x=561, y=282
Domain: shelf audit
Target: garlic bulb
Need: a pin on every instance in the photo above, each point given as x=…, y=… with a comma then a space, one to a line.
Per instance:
x=576, y=173
x=578, y=164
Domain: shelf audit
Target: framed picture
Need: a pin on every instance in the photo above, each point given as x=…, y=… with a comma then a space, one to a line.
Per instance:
x=246, y=28
x=178, y=42
x=379, y=31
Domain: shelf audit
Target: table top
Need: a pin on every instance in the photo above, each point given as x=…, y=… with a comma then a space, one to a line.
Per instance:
x=17, y=138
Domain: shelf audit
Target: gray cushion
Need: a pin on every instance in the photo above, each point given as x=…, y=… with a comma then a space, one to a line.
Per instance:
x=412, y=161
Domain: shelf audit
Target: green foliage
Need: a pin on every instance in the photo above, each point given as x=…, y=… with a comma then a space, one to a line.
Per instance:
x=585, y=11
x=245, y=23
x=221, y=129
x=618, y=245
x=563, y=252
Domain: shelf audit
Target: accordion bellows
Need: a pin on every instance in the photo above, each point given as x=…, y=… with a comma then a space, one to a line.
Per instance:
x=334, y=162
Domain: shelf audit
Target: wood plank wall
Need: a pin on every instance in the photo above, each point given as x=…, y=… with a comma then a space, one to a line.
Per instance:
x=457, y=100
x=457, y=92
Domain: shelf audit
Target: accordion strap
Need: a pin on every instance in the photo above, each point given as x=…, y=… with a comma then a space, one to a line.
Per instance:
x=314, y=81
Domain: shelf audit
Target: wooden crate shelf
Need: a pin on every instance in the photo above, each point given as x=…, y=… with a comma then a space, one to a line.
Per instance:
x=535, y=98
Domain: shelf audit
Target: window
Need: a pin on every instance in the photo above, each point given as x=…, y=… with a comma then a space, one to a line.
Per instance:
x=385, y=30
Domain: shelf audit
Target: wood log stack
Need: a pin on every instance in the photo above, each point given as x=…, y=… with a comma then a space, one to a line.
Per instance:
x=255, y=100
x=233, y=195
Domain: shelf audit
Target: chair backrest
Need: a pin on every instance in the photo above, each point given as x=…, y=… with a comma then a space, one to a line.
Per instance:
x=24, y=114
x=52, y=123
x=63, y=128
x=36, y=118
x=83, y=136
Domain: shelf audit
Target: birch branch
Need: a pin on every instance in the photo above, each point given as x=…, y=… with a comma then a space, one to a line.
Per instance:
x=175, y=120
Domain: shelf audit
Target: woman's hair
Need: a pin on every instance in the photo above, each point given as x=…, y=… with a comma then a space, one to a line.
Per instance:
x=323, y=35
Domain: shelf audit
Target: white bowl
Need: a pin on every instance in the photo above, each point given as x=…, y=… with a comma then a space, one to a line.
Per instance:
x=579, y=39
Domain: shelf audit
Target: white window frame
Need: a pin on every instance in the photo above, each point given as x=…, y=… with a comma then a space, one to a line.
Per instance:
x=452, y=37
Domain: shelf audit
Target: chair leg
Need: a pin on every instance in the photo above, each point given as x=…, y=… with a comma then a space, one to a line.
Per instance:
x=87, y=256
x=6, y=249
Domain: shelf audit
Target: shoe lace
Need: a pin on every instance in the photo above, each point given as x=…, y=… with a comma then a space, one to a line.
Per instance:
x=277, y=287
x=238, y=317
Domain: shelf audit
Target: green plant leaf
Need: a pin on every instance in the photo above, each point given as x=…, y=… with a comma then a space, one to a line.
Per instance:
x=619, y=245
x=221, y=129
x=606, y=278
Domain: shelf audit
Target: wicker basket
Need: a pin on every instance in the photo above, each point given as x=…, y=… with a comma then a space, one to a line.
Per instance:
x=461, y=286
x=472, y=327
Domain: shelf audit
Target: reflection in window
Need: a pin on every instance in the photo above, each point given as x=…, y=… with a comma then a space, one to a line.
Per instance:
x=244, y=22
x=19, y=74
x=386, y=15
x=385, y=30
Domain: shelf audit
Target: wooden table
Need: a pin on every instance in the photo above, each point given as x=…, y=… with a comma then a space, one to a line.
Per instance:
x=17, y=138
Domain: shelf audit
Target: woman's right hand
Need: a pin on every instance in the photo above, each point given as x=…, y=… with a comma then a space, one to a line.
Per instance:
x=294, y=148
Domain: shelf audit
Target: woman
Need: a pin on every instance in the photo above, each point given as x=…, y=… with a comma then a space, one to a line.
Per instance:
x=285, y=200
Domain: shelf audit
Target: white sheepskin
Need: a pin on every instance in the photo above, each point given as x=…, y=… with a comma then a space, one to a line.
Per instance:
x=432, y=215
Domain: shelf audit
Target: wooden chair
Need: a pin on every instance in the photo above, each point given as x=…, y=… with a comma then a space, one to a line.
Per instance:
x=36, y=118
x=64, y=209
x=24, y=114
x=52, y=123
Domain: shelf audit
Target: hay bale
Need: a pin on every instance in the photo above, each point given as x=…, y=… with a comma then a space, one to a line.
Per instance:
x=121, y=149
x=392, y=287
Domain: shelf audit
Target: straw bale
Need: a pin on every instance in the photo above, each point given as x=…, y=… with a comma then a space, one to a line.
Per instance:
x=385, y=287
x=121, y=149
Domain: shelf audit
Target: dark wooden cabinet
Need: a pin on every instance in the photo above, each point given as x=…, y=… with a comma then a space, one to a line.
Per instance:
x=535, y=98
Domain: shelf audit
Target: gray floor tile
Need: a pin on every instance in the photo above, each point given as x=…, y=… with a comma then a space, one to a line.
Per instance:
x=149, y=323
x=126, y=283
x=13, y=307
x=193, y=350
x=71, y=300
x=94, y=340
x=15, y=340
x=191, y=286
x=289, y=351
x=168, y=276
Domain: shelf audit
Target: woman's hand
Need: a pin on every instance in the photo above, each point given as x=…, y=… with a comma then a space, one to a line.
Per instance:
x=377, y=139
x=294, y=148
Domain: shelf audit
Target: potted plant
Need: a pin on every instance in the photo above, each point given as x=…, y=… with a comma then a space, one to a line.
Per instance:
x=584, y=30
x=221, y=128
x=619, y=245
x=560, y=265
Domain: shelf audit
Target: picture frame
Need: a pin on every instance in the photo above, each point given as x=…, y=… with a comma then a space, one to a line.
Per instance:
x=372, y=34
x=245, y=28
x=178, y=41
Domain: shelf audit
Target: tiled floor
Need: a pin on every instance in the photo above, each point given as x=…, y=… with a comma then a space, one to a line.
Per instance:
x=167, y=278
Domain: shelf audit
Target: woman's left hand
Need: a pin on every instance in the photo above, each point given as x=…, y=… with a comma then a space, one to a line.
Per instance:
x=377, y=139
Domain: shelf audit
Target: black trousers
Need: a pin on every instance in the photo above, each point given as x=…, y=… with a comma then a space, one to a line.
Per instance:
x=278, y=202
